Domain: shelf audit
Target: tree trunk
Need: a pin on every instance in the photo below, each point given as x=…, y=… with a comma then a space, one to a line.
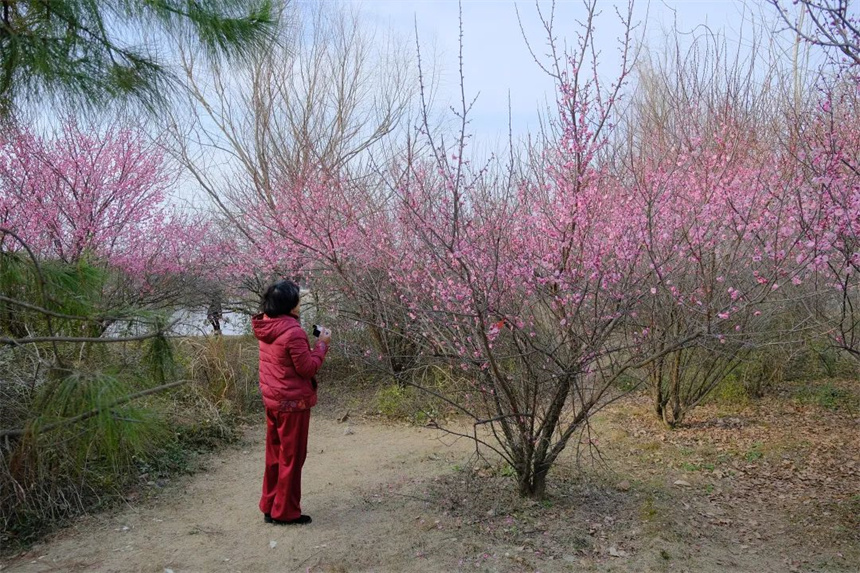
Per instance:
x=657, y=387
x=671, y=406
x=533, y=485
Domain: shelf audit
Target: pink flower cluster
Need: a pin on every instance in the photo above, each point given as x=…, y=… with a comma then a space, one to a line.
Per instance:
x=97, y=195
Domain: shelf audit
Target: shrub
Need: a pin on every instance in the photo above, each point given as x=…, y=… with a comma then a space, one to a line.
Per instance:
x=223, y=371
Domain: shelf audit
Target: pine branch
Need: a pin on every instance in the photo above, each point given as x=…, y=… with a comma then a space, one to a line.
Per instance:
x=91, y=413
x=35, y=339
x=64, y=49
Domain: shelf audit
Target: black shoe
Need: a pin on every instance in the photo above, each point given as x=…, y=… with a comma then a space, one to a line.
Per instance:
x=301, y=520
x=267, y=517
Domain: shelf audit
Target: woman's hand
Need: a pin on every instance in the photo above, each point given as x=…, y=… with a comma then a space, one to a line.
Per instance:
x=325, y=336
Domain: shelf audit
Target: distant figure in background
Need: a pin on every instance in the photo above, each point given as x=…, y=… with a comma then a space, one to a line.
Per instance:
x=288, y=367
x=214, y=316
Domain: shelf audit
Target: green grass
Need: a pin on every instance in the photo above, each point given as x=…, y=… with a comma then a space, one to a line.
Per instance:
x=827, y=395
x=648, y=511
x=754, y=453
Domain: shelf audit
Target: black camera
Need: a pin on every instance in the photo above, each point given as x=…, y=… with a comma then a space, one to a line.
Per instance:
x=317, y=330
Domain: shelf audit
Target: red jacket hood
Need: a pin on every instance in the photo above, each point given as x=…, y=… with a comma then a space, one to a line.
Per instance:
x=268, y=329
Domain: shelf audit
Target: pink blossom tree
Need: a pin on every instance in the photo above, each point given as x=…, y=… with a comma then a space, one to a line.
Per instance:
x=830, y=159
x=529, y=286
x=727, y=245
x=100, y=196
x=713, y=156
x=329, y=232
x=827, y=153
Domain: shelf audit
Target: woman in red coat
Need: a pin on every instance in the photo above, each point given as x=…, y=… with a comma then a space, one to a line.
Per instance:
x=287, y=369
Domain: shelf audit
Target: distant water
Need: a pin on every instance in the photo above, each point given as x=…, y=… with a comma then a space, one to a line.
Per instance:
x=194, y=323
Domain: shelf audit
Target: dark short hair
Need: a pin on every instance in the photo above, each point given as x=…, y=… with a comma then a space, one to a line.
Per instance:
x=280, y=298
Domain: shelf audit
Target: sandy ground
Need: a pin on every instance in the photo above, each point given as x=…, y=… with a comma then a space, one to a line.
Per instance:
x=210, y=522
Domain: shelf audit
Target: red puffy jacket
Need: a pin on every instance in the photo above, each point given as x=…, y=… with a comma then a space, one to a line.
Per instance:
x=287, y=363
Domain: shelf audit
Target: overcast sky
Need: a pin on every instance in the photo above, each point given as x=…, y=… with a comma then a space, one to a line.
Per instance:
x=497, y=61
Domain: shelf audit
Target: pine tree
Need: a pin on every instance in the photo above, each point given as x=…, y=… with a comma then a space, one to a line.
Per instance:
x=84, y=51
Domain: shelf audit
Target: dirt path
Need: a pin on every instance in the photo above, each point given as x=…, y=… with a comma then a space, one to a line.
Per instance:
x=210, y=522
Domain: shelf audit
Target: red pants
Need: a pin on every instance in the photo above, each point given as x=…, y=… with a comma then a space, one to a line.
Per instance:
x=286, y=450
